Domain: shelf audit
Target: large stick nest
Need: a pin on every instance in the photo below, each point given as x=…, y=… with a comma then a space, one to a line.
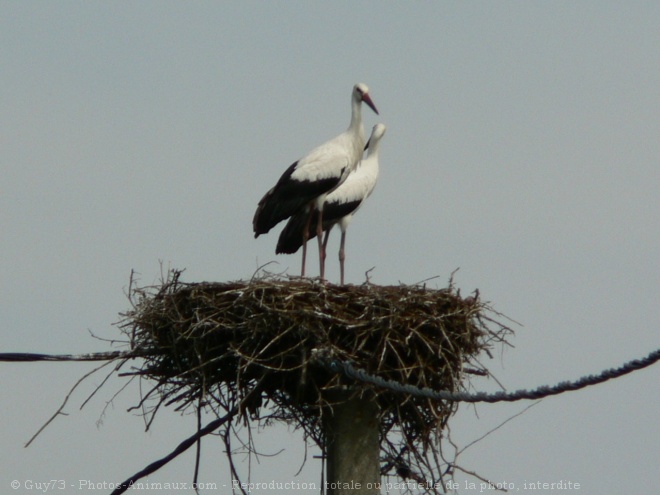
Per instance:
x=254, y=345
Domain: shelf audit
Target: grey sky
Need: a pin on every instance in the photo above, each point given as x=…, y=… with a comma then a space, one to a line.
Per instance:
x=522, y=148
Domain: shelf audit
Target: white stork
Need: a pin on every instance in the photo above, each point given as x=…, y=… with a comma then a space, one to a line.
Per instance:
x=340, y=205
x=308, y=181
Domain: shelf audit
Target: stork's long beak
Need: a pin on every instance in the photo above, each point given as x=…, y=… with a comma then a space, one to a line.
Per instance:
x=367, y=99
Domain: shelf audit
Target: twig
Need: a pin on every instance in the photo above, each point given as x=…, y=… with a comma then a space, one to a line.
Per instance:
x=66, y=399
x=182, y=447
x=198, y=448
x=459, y=452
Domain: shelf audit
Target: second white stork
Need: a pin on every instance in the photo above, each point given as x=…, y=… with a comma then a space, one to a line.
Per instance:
x=340, y=205
x=308, y=181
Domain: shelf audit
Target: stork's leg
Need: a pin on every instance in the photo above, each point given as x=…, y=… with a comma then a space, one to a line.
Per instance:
x=325, y=240
x=342, y=255
x=305, y=239
x=319, y=234
x=325, y=244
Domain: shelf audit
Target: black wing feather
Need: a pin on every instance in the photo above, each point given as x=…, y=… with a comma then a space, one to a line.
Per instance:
x=287, y=198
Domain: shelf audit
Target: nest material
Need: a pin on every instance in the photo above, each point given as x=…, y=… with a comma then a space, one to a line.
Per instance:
x=253, y=345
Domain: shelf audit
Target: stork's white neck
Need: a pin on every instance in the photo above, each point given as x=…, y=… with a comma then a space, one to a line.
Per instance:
x=373, y=148
x=356, y=116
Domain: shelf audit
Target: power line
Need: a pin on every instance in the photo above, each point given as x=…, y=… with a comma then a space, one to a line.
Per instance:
x=346, y=368
x=23, y=357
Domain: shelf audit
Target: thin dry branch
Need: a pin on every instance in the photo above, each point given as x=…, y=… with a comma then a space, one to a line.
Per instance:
x=64, y=403
x=181, y=448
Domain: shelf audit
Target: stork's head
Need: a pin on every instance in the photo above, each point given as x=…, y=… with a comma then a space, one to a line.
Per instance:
x=376, y=133
x=361, y=94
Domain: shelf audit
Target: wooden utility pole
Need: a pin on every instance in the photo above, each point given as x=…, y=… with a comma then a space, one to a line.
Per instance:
x=353, y=449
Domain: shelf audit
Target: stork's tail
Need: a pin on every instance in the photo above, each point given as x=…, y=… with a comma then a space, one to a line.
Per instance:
x=272, y=209
x=291, y=237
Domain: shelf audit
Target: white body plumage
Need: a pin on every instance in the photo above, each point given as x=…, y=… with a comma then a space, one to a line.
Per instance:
x=340, y=204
